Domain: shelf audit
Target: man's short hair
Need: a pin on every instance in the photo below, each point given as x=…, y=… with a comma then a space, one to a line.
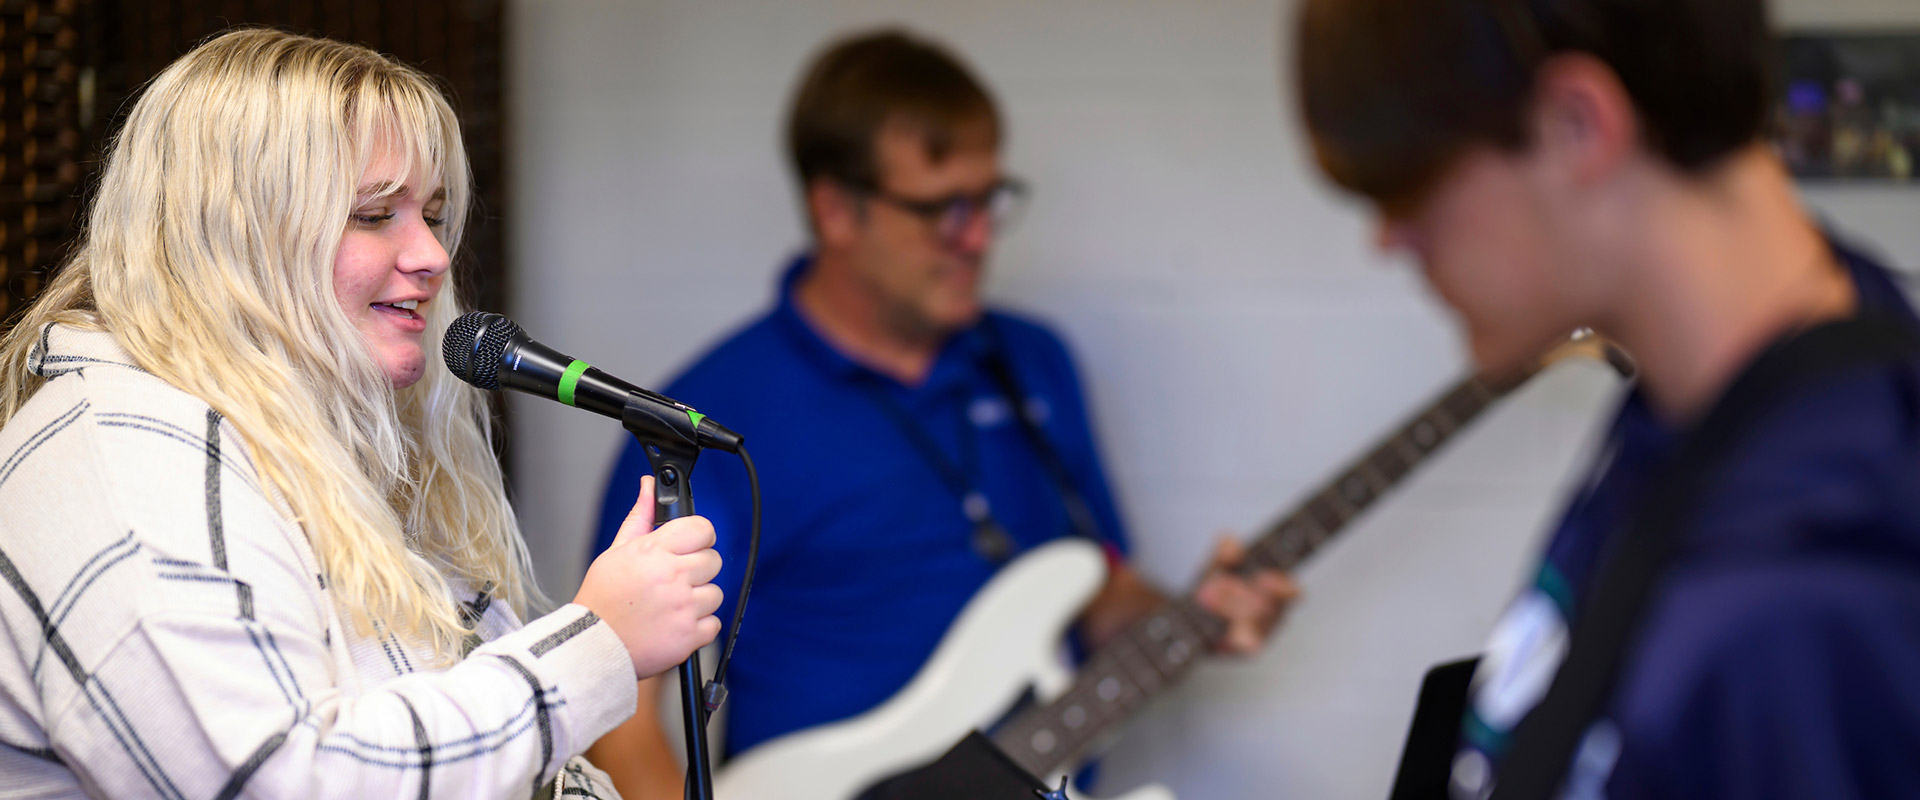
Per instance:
x=863, y=84
x=1393, y=91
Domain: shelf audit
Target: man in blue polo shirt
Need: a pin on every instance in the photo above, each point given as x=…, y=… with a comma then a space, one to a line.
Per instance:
x=1600, y=163
x=909, y=441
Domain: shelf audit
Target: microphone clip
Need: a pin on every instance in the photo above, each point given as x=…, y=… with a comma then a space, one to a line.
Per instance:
x=669, y=452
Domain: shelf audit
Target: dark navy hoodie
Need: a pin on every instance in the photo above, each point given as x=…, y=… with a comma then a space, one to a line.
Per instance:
x=1780, y=655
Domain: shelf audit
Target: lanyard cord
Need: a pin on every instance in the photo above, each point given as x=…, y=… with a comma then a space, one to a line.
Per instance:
x=950, y=473
x=1078, y=511
x=990, y=536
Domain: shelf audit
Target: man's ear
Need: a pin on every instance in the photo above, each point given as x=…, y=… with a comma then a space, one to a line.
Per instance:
x=836, y=212
x=1582, y=118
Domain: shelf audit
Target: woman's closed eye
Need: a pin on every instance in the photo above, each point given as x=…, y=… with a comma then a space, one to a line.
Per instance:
x=376, y=220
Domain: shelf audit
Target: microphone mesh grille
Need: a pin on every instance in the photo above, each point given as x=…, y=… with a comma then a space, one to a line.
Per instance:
x=473, y=346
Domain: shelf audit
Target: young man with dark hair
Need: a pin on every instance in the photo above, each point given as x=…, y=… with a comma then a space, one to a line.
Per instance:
x=885, y=406
x=1555, y=164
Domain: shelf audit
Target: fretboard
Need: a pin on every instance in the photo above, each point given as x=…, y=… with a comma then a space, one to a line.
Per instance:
x=1158, y=651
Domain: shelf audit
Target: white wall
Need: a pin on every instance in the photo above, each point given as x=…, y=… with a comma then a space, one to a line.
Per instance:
x=1181, y=241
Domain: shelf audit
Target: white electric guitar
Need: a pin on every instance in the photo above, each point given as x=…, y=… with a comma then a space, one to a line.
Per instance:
x=1006, y=642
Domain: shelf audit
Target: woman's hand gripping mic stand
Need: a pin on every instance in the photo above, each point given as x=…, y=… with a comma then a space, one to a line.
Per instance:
x=671, y=457
x=491, y=352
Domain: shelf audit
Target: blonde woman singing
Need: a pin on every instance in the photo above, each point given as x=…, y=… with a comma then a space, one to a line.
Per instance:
x=252, y=539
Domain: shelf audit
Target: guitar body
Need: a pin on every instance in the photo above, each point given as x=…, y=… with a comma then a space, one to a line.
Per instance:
x=1004, y=642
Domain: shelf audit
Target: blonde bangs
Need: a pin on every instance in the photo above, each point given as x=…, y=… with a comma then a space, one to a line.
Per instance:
x=410, y=120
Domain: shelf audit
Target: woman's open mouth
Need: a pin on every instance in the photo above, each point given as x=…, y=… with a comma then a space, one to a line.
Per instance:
x=404, y=312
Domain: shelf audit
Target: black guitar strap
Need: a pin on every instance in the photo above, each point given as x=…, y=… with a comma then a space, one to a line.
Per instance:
x=1545, y=741
x=998, y=368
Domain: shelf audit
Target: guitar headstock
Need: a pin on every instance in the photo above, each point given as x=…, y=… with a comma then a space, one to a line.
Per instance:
x=1586, y=343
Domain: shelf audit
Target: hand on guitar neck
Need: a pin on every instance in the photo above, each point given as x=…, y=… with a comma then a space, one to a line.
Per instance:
x=1250, y=602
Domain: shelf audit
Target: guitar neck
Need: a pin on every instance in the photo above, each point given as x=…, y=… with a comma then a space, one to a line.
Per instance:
x=1156, y=652
x=1286, y=543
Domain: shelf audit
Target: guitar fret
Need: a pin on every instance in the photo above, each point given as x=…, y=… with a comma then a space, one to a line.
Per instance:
x=1084, y=709
x=1390, y=463
x=1483, y=393
x=1167, y=651
x=1067, y=736
x=1074, y=720
x=1326, y=519
x=1293, y=538
x=1185, y=635
x=1177, y=649
x=1424, y=435
x=1367, y=481
x=1207, y=627
x=1157, y=627
x=1272, y=553
x=1142, y=653
x=1403, y=445
x=1073, y=742
x=1307, y=535
x=1463, y=405
x=1034, y=745
x=1265, y=554
x=1379, y=475
x=1357, y=489
x=1112, y=689
x=1337, y=502
x=1444, y=424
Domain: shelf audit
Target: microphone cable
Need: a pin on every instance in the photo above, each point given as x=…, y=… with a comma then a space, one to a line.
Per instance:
x=716, y=689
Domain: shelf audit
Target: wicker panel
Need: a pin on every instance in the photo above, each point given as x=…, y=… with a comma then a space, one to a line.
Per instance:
x=42, y=58
x=70, y=65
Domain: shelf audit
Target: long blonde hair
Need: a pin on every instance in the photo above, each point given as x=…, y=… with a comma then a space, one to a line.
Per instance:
x=208, y=254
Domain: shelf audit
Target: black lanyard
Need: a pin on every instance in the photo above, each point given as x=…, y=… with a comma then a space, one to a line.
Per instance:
x=990, y=538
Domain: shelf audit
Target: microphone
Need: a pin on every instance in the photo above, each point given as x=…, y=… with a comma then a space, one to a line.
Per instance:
x=492, y=352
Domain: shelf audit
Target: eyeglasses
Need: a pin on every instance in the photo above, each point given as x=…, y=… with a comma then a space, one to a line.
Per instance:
x=1001, y=203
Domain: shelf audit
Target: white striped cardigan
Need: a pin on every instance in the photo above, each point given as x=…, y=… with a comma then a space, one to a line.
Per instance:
x=165, y=629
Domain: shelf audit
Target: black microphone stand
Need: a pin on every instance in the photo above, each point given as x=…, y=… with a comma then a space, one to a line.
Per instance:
x=672, y=461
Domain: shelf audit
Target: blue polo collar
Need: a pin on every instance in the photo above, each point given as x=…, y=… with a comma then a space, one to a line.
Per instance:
x=959, y=358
